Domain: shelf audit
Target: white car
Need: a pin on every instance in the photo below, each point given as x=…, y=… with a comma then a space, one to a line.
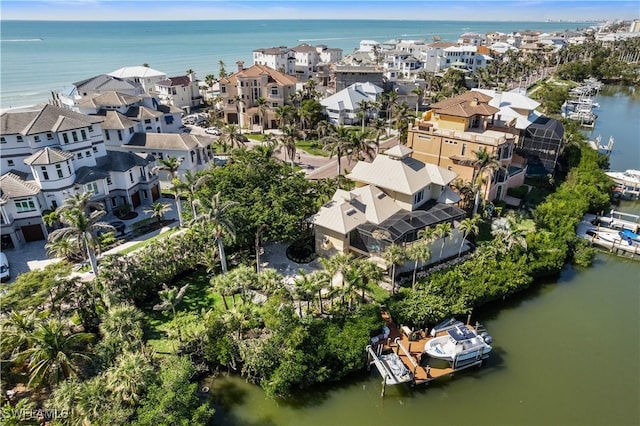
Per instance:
x=213, y=131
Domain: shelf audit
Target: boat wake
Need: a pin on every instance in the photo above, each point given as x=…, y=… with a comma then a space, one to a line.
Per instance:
x=22, y=40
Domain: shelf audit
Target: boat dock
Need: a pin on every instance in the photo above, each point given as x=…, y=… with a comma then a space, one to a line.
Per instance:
x=600, y=147
x=608, y=237
x=406, y=346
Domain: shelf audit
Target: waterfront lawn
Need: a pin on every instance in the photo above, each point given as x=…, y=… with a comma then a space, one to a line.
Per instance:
x=162, y=327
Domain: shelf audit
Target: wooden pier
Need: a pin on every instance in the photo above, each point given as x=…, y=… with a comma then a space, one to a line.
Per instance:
x=408, y=345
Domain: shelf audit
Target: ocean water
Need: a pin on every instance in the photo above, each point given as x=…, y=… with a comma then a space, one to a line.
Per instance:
x=38, y=57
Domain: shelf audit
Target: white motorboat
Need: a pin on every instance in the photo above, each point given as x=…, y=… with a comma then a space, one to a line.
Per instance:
x=460, y=344
x=628, y=181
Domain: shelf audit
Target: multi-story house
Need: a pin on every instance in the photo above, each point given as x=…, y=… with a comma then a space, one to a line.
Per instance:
x=431, y=56
x=61, y=152
x=395, y=197
x=344, y=107
x=540, y=137
x=343, y=76
x=451, y=133
x=241, y=90
x=181, y=92
x=404, y=63
x=131, y=113
x=466, y=57
x=145, y=76
x=472, y=39
x=95, y=86
x=279, y=58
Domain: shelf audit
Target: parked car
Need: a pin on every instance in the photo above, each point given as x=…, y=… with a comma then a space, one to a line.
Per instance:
x=213, y=131
x=185, y=130
x=5, y=274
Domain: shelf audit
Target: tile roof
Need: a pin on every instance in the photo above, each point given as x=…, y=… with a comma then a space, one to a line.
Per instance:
x=142, y=112
x=182, y=80
x=168, y=141
x=305, y=48
x=118, y=161
x=90, y=174
x=406, y=176
x=46, y=118
x=463, y=105
x=47, y=156
x=110, y=98
x=279, y=50
x=104, y=82
x=258, y=70
x=13, y=186
x=116, y=121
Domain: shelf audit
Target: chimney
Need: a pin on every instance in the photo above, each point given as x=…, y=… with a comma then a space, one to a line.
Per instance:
x=240, y=65
x=498, y=98
x=474, y=102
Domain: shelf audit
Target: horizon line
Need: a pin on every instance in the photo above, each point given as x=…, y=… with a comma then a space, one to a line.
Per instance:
x=319, y=19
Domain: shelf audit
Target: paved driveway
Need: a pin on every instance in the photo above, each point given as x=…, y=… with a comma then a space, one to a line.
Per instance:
x=27, y=258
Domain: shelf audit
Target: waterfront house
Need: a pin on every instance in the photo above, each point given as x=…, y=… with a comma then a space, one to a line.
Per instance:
x=539, y=137
x=395, y=197
x=344, y=76
x=95, y=86
x=145, y=76
x=453, y=130
x=344, y=107
x=61, y=152
x=302, y=61
x=181, y=92
x=241, y=90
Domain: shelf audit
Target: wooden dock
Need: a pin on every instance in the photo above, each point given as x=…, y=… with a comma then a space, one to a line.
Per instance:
x=408, y=345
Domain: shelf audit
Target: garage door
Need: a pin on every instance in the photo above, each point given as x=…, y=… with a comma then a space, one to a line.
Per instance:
x=33, y=233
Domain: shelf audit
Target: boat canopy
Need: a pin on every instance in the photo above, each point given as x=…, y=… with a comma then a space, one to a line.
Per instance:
x=461, y=333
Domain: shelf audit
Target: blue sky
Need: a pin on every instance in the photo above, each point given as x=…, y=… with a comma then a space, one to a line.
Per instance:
x=514, y=10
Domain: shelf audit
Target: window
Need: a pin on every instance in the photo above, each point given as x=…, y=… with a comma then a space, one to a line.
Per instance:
x=59, y=171
x=45, y=173
x=91, y=187
x=131, y=176
x=109, y=182
x=79, y=155
x=274, y=91
x=274, y=105
x=147, y=120
x=20, y=139
x=464, y=149
x=418, y=197
x=90, y=129
x=130, y=130
x=144, y=194
x=168, y=119
x=114, y=203
x=68, y=167
x=25, y=205
x=84, y=134
x=95, y=149
x=74, y=135
x=2, y=139
x=119, y=135
x=65, y=137
x=106, y=133
x=223, y=89
x=10, y=163
x=36, y=138
x=87, y=154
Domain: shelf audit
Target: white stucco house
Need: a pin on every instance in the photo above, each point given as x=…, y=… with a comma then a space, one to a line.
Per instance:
x=344, y=106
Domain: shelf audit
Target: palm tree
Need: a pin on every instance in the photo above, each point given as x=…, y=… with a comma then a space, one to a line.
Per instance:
x=263, y=106
x=370, y=272
x=485, y=164
x=394, y=255
x=216, y=215
x=468, y=226
x=190, y=185
x=129, y=378
x=418, y=92
x=123, y=323
x=364, y=107
x=231, y=135
x=158, y=210
x=81, y=201
x=380, y=127
x=304, y=288
x=288, y=142
x=285, y=115
x=320, y=281
x=53, y=353
x=442, y=231
x=171, y=166
x=339, y=144
x=83, y=229
x=418, y=252
x=222, y=73
x=401, y=121
x=362, y=147
x=64, y=248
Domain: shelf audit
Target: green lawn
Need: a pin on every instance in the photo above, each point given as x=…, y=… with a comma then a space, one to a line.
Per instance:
x=312, y=147
x=379, y=294
x=162, y=331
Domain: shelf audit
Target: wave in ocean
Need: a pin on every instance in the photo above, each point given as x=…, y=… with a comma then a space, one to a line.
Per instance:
x=22, y=40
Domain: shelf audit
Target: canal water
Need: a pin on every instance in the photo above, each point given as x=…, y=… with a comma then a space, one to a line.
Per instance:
x=566, y=352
